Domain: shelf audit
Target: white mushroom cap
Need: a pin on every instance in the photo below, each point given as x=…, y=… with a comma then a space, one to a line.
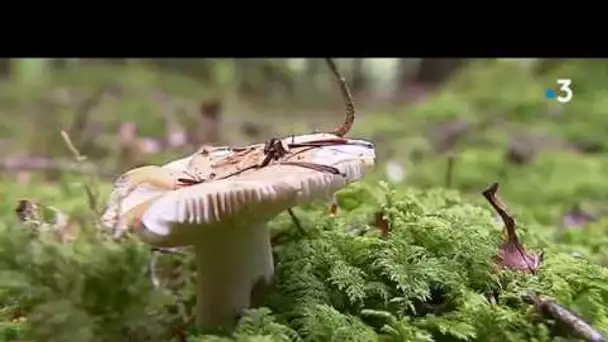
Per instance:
x=178, y=217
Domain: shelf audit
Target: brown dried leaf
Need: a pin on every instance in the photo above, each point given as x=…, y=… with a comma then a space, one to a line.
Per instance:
x=512, y=254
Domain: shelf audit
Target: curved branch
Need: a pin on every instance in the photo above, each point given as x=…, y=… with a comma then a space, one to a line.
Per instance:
x=349, y=120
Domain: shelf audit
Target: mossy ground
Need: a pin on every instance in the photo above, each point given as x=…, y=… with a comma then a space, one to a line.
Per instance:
x=342, y=281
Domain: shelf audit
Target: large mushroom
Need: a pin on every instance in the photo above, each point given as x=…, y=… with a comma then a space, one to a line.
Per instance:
x=220, y=199
x=225, y=218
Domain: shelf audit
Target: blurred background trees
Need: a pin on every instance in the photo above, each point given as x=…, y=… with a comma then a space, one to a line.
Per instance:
x=152, y=104
x=259, y=85
x=127, y=112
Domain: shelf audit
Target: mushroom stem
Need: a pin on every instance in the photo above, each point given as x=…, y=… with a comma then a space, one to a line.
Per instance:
x=231, y=262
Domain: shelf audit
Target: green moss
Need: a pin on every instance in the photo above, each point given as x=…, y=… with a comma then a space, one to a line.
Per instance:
x=426, y=281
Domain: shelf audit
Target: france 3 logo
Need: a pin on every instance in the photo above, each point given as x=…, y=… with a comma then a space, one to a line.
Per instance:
x=563, y=93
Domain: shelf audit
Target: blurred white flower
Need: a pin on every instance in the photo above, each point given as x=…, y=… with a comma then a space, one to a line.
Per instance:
x=177, y=137
x=149, y=145
x=394, y=171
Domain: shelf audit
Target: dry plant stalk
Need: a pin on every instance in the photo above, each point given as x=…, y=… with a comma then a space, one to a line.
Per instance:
x=340, y=131
x=91, y=197
x=72, y=148
x=512, y=254
x=296, y=221
x=349, y=120
x=211, y=114
x=83, y=113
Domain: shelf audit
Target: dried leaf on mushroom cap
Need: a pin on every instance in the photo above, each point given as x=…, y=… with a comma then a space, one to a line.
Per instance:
x=256, y=194
x=136, y=190
x=176, y=218
x=223, y=162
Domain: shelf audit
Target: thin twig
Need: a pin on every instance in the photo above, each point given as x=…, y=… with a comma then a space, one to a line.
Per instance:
x=490, y=195
x=575, y=324
x=296, y=221
x=532, y=261
x=211, y=112
x=83, y=113
x=71, y=147
x=349, y=120
x=92, y=199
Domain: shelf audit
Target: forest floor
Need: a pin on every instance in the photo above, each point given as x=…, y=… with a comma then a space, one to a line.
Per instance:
x=491, y=123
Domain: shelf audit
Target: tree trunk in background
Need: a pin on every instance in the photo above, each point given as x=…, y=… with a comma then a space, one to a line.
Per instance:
x=58, y=63
x=278, y=78
x=415, y=81
x=115, y=61
x=210, y=111
x=358, y=82
x=406, y=70
x=405, y=88
x=433, y=71
x=5, y=66
x=547, y=65
x=30, y=71
x=313, y=66
x=311, y=77
x=265, y=80
x=200, y=68
x=307, y=82
x=243, y=75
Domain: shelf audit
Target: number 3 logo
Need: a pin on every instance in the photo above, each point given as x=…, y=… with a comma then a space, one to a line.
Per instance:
x=565, y=90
